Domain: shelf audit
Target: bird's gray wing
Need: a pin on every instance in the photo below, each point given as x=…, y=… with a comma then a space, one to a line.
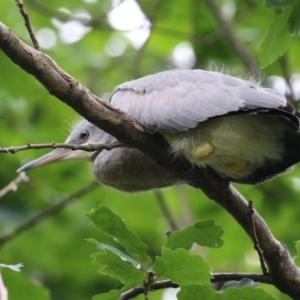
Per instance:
x=177, y=100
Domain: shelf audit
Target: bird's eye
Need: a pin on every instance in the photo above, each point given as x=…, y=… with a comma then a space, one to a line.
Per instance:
x=84, y=135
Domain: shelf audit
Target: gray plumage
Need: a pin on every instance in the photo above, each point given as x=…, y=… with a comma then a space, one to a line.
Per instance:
x=178, y=100
x=245, y=132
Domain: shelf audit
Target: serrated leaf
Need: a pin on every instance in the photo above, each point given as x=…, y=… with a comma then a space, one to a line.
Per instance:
x=182, y=268
x=196, y=292
x=111, y=295
x=246, y=293
x=297, y=259
x=280, y=4
x=277, y=40
x=112, y=265
x=294, y=19
x=239, y=284
x=204, y=233
x=113, y=225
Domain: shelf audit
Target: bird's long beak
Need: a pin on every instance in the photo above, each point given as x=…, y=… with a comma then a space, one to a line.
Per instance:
x=58, y=154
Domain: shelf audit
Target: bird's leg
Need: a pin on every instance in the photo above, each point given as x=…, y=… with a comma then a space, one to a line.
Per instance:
x=202, y=151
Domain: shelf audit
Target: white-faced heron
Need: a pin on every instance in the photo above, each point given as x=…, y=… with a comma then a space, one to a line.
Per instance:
x=245, y=132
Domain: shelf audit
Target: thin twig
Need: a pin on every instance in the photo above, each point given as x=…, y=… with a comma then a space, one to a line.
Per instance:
x=165, y=209
x=28, y=24
x=285, y=68
x=238, y=46
x=53, y=209
x=88, y=147
x=65, y=16
x=163, y=284
x=203, y=40
x=255, y=239
x=97, y=22
x=151, y=278
x=13, y=185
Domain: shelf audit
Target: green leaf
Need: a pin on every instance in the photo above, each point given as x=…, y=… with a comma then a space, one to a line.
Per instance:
x=113, y=225
x=294, y=19
x=204, y=233
x=111, y=295
x=182, y=267
x=277, y=40
x=239, y=284
x=114, y=266
x=122, y=255
x=196, y=292
x=246, y=293
x=297, y=259
x=280, y=4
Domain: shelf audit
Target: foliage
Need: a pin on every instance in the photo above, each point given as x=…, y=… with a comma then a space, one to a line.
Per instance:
x=54, y=253
x=187, y=270
x=178, y=265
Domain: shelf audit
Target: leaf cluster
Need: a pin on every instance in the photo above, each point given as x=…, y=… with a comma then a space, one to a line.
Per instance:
x=133, y=267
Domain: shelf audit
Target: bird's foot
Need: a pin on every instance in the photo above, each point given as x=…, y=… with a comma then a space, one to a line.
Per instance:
x=202, y=151
x=236, y=166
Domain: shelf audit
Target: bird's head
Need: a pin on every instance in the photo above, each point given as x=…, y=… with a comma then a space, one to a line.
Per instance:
x=84, y=133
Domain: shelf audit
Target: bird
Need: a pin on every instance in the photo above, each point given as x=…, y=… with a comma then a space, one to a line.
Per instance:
x=245, y=132
x=126, y=169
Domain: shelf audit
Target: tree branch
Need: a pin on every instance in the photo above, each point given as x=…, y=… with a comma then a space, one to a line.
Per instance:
x=166, y=211
x=28, y=24
x=285, y=274
x=13, y=185
x=67, y=89
x=262, y=278
x=163, y=284
x=65, y=17
x=51, y=210
x=88, y=148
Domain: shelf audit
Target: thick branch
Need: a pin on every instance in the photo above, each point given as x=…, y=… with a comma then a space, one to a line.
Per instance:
x=67, y=89
x=285, y=274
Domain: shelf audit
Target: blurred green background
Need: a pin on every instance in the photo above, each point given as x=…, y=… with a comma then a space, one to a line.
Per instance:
x=104, y=43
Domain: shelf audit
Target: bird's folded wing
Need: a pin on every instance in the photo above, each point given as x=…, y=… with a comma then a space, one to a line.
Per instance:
x=177, y=100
